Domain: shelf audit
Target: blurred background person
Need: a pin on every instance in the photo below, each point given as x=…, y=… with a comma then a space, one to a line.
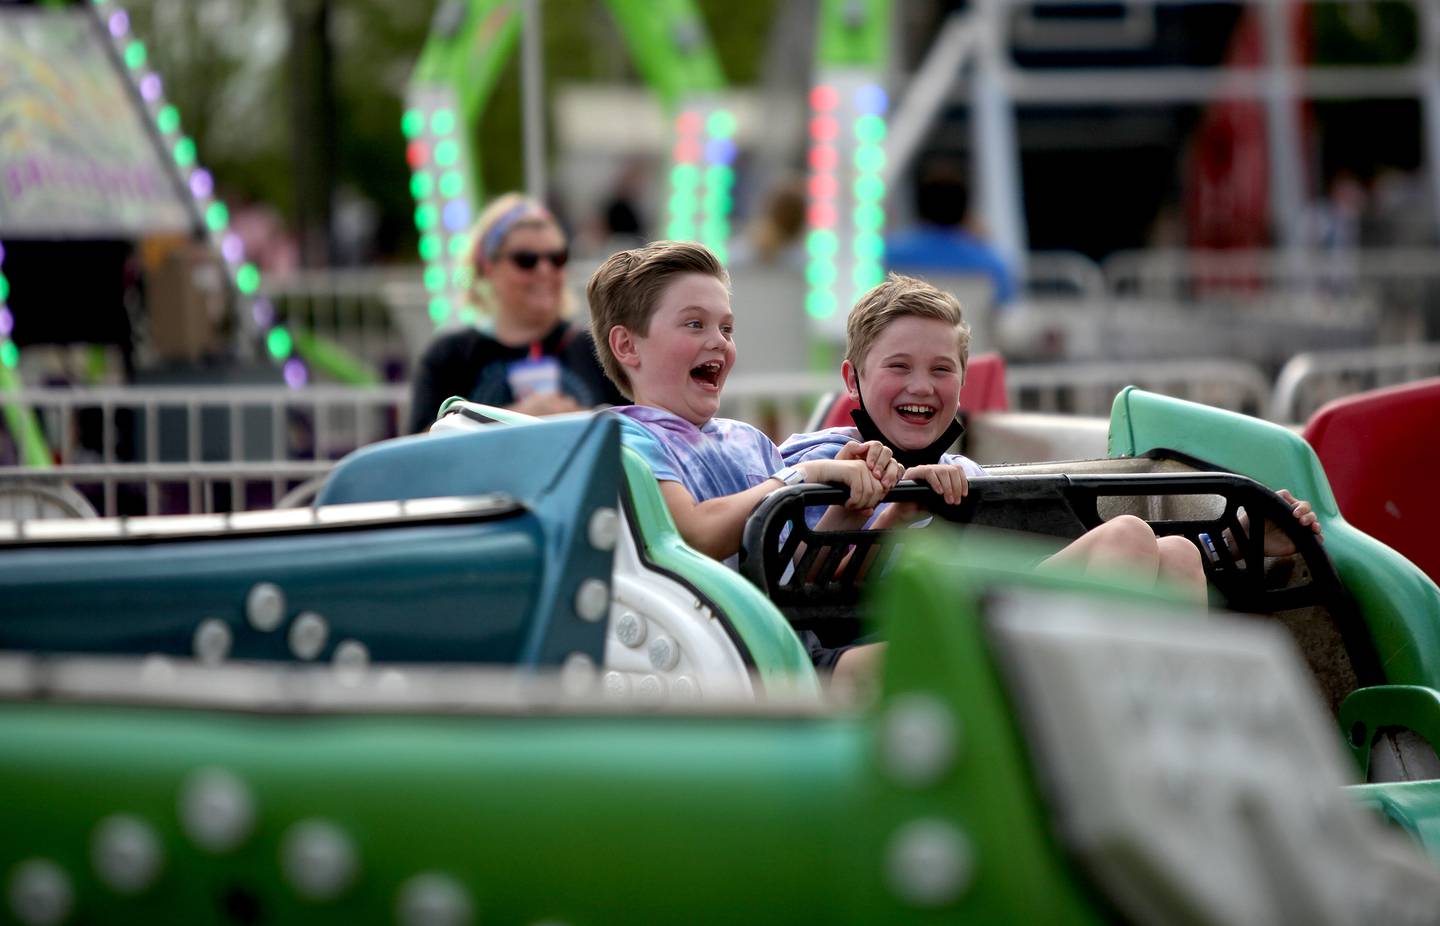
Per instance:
x=944, y=239
x=527, y=356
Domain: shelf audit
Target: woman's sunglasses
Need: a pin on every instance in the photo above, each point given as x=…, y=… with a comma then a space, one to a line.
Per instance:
x=528, y=260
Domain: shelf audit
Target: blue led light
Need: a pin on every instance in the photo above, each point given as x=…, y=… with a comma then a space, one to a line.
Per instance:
x=720, y=151
x=456, y=215
x=871, y=100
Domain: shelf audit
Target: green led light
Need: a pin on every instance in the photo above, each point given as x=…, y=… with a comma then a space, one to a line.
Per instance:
x=412, y=123
x=439, y=310
x=168, y=119
x=869, y=189
x=820, y=303
x=135, y=55
x=247, y=279
x=718, y=202
x=459, y=244
x=469, y=316
x=682, y=205
x=421, y=184
x=462, y=278
x=679, y=230
x=721, y=124
x=279, y=343
x=869, y=246
x=4, y=289
x=185, y=152
x=429, y=247
x=820, y=274
x=425, y=215
x=719, y=177
x=722, y=254
x=714, y=229
x=684, y=176
x=447, y=153
x=868, y=275
x=870, y=129
x=822, y=243
x=869, y=217
x=9, y=354
x=217, y=216
x=452, y=184
x=435, y=278
x=869, y=159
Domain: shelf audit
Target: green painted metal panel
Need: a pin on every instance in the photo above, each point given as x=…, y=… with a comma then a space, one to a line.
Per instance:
x=854, y=33
x=670, y=46
x=1414, y=806
x=1400, y=603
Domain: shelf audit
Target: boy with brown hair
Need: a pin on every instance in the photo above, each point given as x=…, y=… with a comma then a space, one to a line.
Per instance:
x=664, y=333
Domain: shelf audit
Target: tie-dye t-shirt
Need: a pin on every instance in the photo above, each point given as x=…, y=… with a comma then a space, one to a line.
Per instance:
x=722, y=458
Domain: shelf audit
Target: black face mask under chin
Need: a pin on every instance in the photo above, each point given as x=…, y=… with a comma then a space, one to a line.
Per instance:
x=908, y=458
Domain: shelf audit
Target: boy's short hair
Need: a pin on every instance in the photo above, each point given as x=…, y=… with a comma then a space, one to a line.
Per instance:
x=625, y=290
x=902, y=297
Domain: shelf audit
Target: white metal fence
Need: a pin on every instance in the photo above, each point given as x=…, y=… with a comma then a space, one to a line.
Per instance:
x=211, y=424
x=137, y=489
x=1310, y=380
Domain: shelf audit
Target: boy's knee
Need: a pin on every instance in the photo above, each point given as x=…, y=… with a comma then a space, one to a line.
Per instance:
x=1179, y=552
x=1129, y=535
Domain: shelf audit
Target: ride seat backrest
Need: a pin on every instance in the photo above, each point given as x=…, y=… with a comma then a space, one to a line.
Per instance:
x=1375, y=451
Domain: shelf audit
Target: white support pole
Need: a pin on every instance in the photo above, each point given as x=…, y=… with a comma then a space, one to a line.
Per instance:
x=532, y=82
x=997, y=167
x=1282, y=127
x=1429, y=12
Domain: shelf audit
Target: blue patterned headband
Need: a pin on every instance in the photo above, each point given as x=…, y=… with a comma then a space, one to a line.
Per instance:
x=507, y=220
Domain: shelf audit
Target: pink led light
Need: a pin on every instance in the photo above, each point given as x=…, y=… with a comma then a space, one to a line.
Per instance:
x=119, y=23
x=295, y=373
x=7, y=322
x=263, y=311
x=232, y=248
x=2, y=253
x=201, y=183
x=151, y=87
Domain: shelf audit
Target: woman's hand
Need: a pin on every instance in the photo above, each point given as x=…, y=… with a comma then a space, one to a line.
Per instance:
x=545, y=403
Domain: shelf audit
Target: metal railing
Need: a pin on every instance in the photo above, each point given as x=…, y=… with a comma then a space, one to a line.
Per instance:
x=378, y=316
x=1090, y=388
x=1310, y=380
x=211, y=424
x=136, y=489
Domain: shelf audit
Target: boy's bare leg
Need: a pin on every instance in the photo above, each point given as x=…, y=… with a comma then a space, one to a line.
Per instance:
x=1122, y=544
x=857, y=670
x=1181, y=567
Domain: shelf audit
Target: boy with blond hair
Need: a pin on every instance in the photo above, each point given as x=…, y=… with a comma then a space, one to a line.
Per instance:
x=906, y=349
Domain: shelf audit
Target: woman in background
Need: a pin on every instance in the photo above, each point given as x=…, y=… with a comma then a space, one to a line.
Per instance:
x=528, y=356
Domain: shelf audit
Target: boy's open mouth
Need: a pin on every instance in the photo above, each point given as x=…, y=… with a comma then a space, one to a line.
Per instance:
x=915, y=414
x=707, y=373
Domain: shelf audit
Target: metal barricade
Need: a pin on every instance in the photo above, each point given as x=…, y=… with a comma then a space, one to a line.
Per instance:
x=1090, y=388
x=210, y=424
x=1310, y=380
x=177, y=488
x=378, y=316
